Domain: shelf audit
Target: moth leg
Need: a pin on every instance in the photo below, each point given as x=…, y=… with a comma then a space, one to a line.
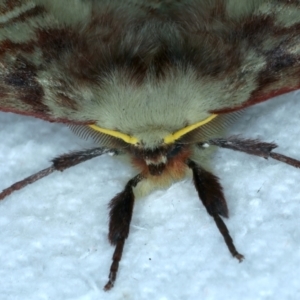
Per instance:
x=211, y=194
x=121, y=207
x=254, y=147
x=59, y=163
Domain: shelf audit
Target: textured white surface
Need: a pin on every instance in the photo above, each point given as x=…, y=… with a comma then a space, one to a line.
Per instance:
x=54, y=233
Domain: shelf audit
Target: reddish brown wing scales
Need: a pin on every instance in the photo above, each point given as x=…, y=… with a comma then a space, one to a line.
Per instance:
x=281, y=51
x=25, y=61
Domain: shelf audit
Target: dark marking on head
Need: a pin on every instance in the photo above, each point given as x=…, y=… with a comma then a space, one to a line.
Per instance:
x=156, y=169
x=150, y=154
x=155, y=161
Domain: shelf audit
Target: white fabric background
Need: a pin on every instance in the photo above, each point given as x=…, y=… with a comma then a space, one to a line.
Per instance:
x=53, y=234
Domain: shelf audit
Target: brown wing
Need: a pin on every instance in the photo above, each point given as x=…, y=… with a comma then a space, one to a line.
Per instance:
x=55, y=61
x=253, y=47
x=34, y=52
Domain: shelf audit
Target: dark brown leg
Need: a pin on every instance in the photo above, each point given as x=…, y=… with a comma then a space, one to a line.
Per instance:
x=121, y=207
x=211, y=194
x=254, y=147
x=228, y=240
x=60, y=163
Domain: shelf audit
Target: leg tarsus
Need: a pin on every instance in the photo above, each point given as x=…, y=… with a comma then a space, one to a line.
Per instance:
x=285, y=159
x=249, y=146
x=228, y=240
x=115, y=265
x=60, y=163
x=253, y=147
x=26, y=181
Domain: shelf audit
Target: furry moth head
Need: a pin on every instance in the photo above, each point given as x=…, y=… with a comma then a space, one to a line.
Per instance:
x=155, y=80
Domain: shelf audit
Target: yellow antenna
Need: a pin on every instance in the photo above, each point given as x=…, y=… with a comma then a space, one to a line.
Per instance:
x=178, y=134
x=167, y=140
x=126, y=138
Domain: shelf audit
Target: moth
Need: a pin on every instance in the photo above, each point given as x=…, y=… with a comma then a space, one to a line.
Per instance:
x=157, y=81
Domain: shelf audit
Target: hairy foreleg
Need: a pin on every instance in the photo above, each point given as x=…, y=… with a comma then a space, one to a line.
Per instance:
x=253, y=147
x=121, y=207
x=211, y=194
x=59, y=163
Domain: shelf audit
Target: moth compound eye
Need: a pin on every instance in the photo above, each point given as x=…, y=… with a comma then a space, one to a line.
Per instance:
x=174, y=150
